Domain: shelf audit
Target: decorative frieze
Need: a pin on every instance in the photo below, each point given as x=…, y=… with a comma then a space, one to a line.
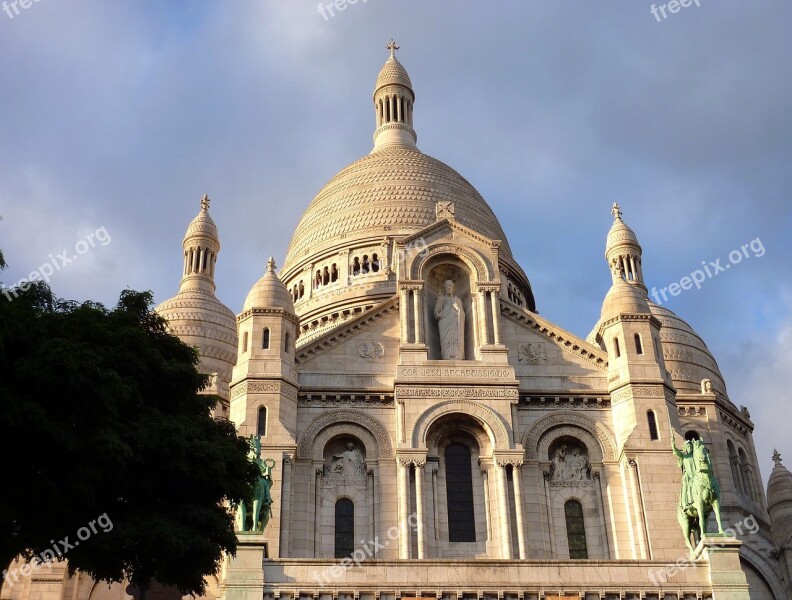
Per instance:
x=564, y=402
x=458, y=392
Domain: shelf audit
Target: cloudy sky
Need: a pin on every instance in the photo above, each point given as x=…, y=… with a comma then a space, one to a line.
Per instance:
x=118, y=116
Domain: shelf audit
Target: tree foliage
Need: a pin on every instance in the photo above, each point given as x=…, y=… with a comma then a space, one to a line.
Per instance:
x=100, y=415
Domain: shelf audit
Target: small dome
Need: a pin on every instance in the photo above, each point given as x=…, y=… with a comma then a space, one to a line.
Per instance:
x=686, y=355
x=197, y=317
x=779, y=486
x=620, y=234
x=269, y=292
x=393, y=73
x=624, y=298
x=203, y=225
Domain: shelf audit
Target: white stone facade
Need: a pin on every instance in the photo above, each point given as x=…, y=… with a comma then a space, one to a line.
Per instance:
x=346, y=353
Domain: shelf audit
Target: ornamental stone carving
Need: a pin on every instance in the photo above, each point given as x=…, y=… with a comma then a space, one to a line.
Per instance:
x=459, y=392
x=307, y=440
x=489, y=419
x=532, y=354
x=569, y=461
x=371, y=350
x=546, y=430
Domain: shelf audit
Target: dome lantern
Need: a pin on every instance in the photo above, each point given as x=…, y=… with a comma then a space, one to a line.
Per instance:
x=393, y=104
x=623, y=252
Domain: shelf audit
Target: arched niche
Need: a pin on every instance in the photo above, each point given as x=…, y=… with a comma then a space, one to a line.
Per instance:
x=353, y=423
x=437, y=271
x=546, y=430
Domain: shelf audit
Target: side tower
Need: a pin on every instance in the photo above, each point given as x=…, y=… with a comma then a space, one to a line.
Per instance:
x=264, y=387
x=779, y=500
x=196, y=315
x=642, y=398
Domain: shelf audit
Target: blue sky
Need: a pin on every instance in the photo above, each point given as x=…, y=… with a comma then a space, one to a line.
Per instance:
x=122, y=115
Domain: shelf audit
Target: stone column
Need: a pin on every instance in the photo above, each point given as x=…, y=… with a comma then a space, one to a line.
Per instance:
x=419, y=321
x=482, y=314
x=285, y=506
x=404, y=315
x=518, y=508
x=435, y=507
x=404, y=507
x=371, y=503
x=318, y=513
x=495, y=316
x=487, y=505
x=503, y=503
x=419, y=507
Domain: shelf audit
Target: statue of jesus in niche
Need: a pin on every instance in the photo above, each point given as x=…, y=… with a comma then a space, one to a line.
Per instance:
x=450, y=315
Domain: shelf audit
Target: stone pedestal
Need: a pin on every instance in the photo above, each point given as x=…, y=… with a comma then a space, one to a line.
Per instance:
x=722, y=552
x=244, y=576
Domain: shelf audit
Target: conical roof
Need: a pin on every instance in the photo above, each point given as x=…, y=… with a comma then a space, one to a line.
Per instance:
x=269, y=292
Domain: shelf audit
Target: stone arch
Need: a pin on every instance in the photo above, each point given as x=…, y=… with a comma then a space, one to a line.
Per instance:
x=759, y=563
x=370, y=431
x=492, y=422
x=479, y=434
x=477, y=265
x=546, y=430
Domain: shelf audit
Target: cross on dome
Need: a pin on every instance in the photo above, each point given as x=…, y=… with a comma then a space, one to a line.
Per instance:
x=271, y=265
x=776, y=458
x=392, y=46
x=205, y=202
x=616, y=211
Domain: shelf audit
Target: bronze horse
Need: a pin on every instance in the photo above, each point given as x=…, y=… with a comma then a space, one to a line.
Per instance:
x=700, y=492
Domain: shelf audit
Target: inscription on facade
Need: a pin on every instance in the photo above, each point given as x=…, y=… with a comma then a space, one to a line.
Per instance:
x=480, y=372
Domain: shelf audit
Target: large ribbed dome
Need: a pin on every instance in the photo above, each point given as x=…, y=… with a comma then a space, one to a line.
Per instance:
x=393, y=191
x=686, y=355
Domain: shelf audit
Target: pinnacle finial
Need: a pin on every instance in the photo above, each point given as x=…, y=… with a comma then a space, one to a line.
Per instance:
x=205, y=202
x=616, y=211
x=392, y=46
x=776, y=457
x=271, y=265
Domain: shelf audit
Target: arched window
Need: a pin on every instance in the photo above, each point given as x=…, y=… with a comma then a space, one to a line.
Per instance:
x=326, y=276
x=692, y=435
x=318, y=280
x=652, y=419
x=638, y=344
x=734, y=463
x=576, y=530
x=344, y=528
x=356, y=266
x=459, y=491
x=747, y=475
x=286, y=342
x=334, y=273
x=616, y=349
x=261, y=425
x=244, y=341
x=365, y=263
x=265, y=338
x=374, y=263
x=302, y=289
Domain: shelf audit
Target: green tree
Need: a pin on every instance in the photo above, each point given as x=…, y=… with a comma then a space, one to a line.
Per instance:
x=101, y=422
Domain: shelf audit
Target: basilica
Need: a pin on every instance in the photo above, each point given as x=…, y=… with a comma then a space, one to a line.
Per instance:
x=433, y=436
